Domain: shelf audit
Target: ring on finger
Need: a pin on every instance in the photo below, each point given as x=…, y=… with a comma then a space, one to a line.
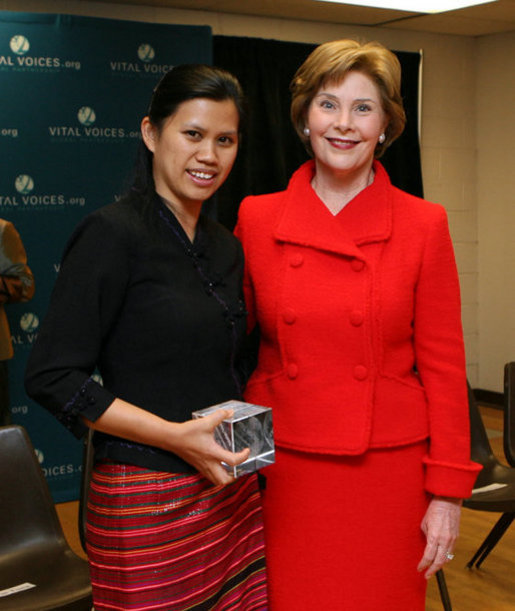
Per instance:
x=449, y=555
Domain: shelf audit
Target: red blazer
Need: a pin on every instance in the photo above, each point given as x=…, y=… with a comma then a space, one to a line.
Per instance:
x=360, y=320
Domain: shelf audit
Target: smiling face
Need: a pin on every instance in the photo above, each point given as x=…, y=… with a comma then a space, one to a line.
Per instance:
x=346, y=120
x=194, y=150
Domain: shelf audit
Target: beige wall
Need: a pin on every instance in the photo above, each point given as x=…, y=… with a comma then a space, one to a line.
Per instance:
x=468, y=95
x=496, y=205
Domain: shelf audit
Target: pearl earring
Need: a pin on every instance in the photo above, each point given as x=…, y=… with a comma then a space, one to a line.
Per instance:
x=307, y=132
x=382, y=138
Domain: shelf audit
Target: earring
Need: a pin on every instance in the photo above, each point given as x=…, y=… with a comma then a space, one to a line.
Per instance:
x=306, y=132
x=382, y=138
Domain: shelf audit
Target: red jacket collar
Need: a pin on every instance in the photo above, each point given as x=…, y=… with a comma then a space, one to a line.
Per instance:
x=305, y=219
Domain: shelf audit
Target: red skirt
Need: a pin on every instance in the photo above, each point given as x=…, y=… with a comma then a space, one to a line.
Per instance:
x=343, y=533
x=174, y=542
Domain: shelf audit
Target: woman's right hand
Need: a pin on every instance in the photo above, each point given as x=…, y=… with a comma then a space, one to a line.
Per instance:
x=195, y=443
x=193, y=440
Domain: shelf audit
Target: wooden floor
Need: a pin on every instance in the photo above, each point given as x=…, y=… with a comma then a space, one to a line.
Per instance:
x=491, y=588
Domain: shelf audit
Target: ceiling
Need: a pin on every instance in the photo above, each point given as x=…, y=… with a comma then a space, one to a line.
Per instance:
x=491, y=18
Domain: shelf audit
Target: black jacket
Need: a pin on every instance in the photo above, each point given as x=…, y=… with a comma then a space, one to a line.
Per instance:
x=158, y=318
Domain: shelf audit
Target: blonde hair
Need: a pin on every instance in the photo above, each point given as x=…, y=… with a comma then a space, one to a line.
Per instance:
x=330, y=62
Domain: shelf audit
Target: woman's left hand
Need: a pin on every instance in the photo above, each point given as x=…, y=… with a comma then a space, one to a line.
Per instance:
x=441, y=526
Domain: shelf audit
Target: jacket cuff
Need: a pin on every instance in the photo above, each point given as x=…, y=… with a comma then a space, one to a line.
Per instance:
x=89, y=402
x=450, y=479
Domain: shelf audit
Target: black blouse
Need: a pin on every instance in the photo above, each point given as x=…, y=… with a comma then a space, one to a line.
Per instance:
x=160, y=318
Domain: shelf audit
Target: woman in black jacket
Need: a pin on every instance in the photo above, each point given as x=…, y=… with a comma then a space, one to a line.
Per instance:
x=149, y=293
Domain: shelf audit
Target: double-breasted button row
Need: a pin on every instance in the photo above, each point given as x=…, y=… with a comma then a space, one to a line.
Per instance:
x=292, y=370
x=296, y=260
x=356, y=318
x=289, y=316
x=357, y=265
x=360, y=372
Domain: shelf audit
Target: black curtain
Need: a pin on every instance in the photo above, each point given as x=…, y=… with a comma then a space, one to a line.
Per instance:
x=271, y=150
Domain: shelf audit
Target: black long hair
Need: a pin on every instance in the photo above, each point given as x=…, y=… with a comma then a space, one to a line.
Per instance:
x=180, y=84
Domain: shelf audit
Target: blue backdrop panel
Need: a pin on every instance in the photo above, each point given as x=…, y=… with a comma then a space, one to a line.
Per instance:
x=74, y=90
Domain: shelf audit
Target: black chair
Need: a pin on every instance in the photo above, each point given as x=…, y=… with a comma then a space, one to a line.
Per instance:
x=37, y=565
x=494, y=489
x=87, y=466
x=509, y=413
x=442, y=588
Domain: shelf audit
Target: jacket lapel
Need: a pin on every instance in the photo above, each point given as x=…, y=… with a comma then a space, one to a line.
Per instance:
x=306, y=221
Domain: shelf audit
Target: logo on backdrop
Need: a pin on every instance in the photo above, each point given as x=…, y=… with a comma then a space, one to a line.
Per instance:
x=29, y=324
x=19, y=45
x=24, y=184
x=146, y=53
x=19, y=56
x=86, y=116
x=87, y=129
x=55, y=470
x=25, y=196
x=145, y=66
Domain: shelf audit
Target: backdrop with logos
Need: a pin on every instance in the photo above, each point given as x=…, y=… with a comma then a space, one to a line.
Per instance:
x=74, y=90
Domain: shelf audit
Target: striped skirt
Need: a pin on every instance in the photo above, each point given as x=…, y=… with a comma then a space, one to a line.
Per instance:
x=174, y=542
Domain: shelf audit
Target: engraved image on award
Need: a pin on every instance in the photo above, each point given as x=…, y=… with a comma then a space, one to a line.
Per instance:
x=250, y=426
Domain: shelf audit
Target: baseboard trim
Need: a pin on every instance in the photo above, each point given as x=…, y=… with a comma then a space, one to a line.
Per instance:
x=489, y=397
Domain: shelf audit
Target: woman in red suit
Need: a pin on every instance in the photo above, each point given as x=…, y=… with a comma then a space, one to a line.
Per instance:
x=354, y=287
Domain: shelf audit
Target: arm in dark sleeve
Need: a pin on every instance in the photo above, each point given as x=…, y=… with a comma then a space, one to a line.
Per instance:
x=86, y=299
x=16, y=280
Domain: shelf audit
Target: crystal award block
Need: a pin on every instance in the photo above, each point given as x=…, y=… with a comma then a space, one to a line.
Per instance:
x=250, y=426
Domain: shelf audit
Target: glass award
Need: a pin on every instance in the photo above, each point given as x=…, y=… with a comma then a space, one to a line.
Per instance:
x=250, y=426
